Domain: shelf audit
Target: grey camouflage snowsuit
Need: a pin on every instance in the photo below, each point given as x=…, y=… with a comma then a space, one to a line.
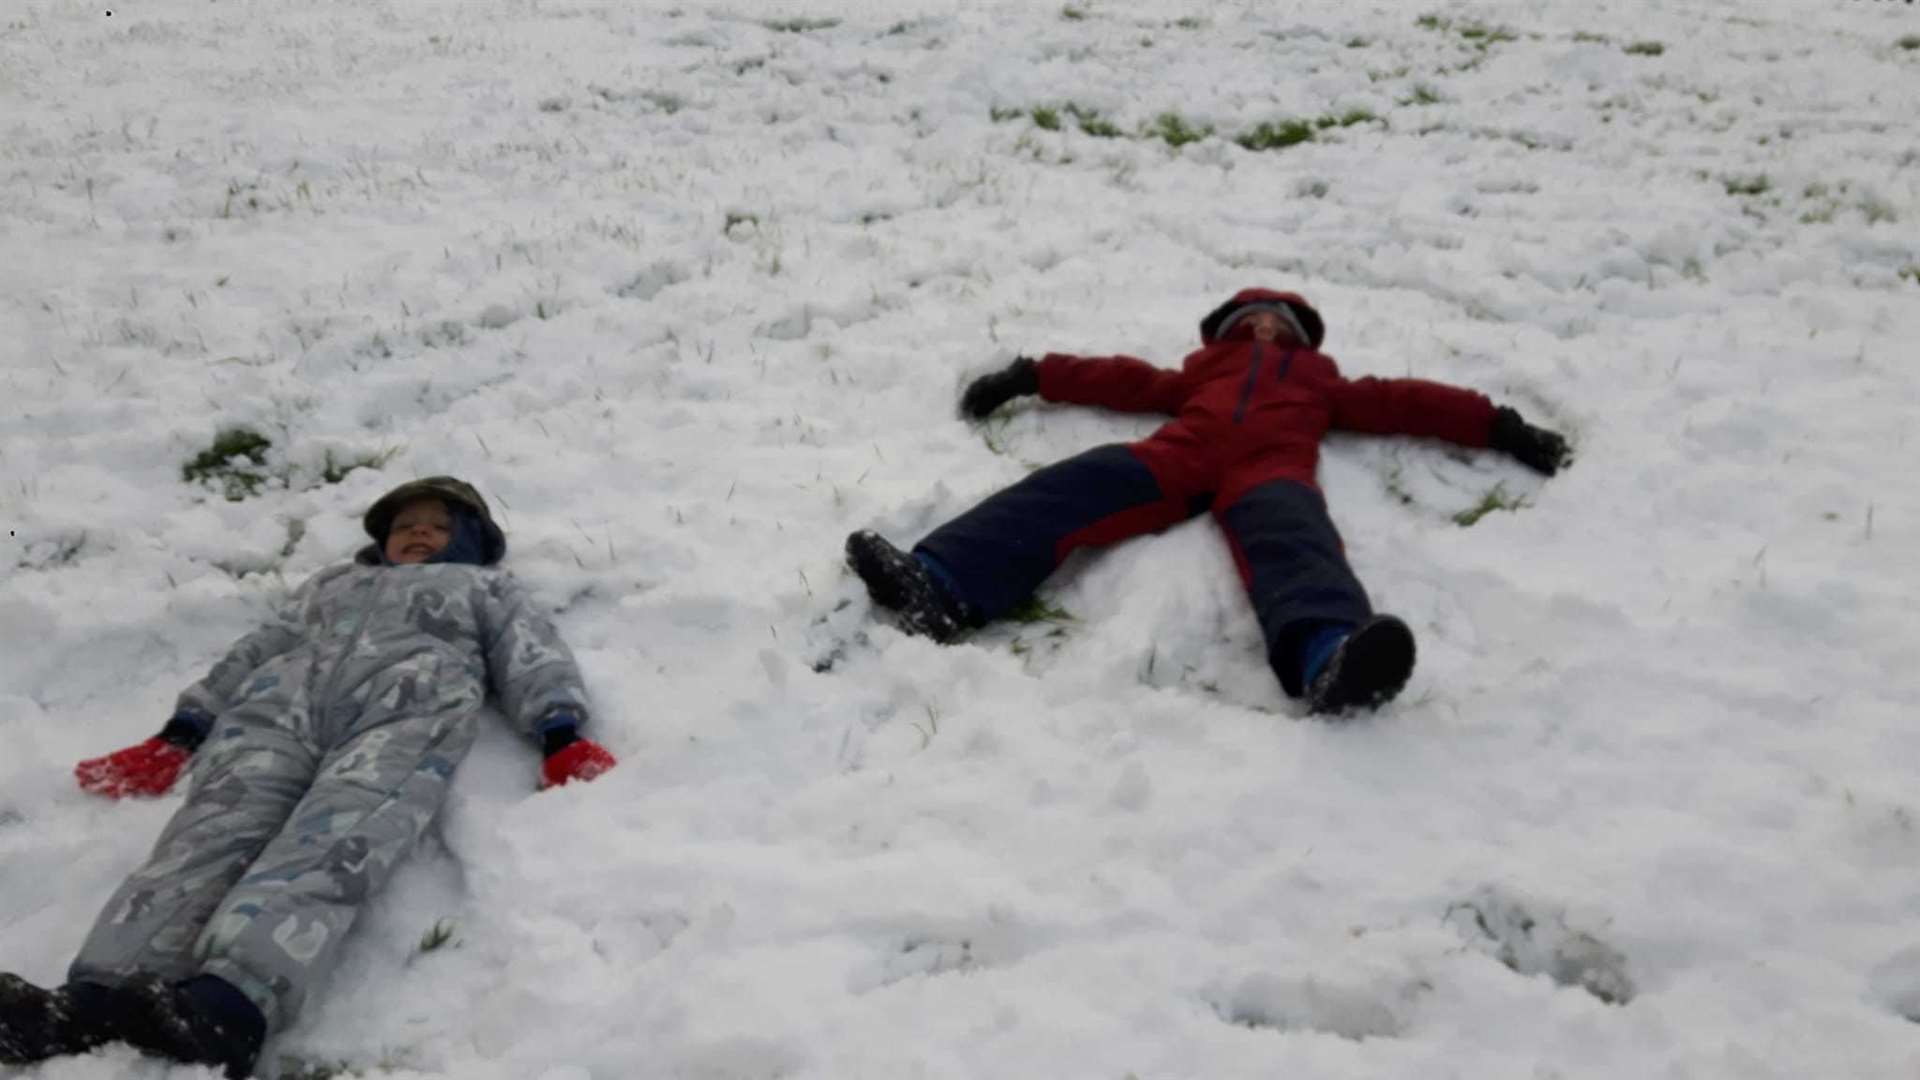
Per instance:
x=338, y=725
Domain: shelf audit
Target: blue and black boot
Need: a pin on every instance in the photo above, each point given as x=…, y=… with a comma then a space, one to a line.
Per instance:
x=900, y=582
x=204, y=1020
x=1364, y=670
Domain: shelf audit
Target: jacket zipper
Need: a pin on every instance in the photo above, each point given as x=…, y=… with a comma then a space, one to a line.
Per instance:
x=1246, y=392
x=359, y=627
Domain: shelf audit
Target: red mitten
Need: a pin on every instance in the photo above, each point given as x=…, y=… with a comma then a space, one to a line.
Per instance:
x=147, y=769
x=582, y=759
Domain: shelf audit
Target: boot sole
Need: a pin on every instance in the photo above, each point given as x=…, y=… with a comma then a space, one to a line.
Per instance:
x=898, y=587
x=1373, y=667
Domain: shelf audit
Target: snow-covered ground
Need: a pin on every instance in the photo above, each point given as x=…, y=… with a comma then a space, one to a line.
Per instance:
x=689, y=291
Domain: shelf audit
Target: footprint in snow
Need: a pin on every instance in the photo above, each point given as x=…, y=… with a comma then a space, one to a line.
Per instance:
x=1534, y=939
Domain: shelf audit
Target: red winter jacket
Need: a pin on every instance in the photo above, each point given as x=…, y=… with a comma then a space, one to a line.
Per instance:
x=1247, y=413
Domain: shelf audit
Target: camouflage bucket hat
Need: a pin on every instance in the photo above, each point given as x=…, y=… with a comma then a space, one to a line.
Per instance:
x=449, y=489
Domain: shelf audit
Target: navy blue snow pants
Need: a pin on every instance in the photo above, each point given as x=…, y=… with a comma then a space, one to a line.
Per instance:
x=1289, y=555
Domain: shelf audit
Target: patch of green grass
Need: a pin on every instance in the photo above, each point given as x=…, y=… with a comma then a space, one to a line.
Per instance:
x=1037, y=610
x=800, y=26
x=1073, y=14
x=1358, y=42
x=1486, y=36
x=233, y=461
x=1422, y=95
x=1175, y=131
x=1093, y=123
x=1272, y=135
x=1910, y=42
x=1590, y=38
x=1276, y=136
x=1002, y=114
x=1190, y=22
x=1495, y=499
x=1748, y=185
x=736, y=218
x=1910, y=272
x=1345, y=119
x=335, y=469
x=1645, y=48
x=438, y=935
x=1046, y=117
x=1479, y=34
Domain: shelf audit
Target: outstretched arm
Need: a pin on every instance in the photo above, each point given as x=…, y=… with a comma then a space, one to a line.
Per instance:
x=1121, y=383
x=153, y=766
x=1412, y=407
x=214, y=694
x=1436, y=410
x=539, y=685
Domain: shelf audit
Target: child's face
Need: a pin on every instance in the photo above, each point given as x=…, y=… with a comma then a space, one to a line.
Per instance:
x=1269, y=326
x=420, y=531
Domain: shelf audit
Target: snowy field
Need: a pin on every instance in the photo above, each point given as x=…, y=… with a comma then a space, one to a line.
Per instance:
x=690, y=290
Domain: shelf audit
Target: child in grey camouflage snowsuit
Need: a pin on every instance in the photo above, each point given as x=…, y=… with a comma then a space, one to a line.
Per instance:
x=322, y=746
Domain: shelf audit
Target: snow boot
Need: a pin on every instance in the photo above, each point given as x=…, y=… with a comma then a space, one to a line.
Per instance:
x=37, y=1024
x=1366, y=670
x=898, y=581
x=204, y=1020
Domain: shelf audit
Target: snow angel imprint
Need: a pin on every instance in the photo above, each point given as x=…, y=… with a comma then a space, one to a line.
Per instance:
x=1250, y=408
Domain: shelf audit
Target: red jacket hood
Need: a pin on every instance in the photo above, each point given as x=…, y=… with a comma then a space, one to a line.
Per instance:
x=1310, y=320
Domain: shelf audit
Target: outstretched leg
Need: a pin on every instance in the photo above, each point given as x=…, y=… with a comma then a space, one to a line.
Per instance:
x=995, y=555
x=1323, y=639
x=247, y=777
x=280, y=927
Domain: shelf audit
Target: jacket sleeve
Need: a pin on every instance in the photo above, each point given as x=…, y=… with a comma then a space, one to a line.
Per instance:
x=1412, y=407
x=531, y=670
x=205, y=700
x=1121, y=383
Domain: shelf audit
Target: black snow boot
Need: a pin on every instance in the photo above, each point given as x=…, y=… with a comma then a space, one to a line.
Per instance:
x=898, y=581
x=1366, y=670
x=204, y=1020
x=37, y=1024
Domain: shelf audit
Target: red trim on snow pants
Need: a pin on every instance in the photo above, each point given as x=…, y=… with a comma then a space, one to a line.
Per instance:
x=1000, y=551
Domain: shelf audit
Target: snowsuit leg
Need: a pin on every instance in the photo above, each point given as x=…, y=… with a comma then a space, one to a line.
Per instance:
x=280, y=928
x=246, y=780
x=1295, y=569
x=1000, y=551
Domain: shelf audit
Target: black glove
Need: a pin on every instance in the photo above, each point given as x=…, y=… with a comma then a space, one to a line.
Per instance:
x=1536, y=447
x=989, y=392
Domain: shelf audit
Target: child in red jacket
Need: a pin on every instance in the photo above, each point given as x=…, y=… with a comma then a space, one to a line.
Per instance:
x=1250, y=408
